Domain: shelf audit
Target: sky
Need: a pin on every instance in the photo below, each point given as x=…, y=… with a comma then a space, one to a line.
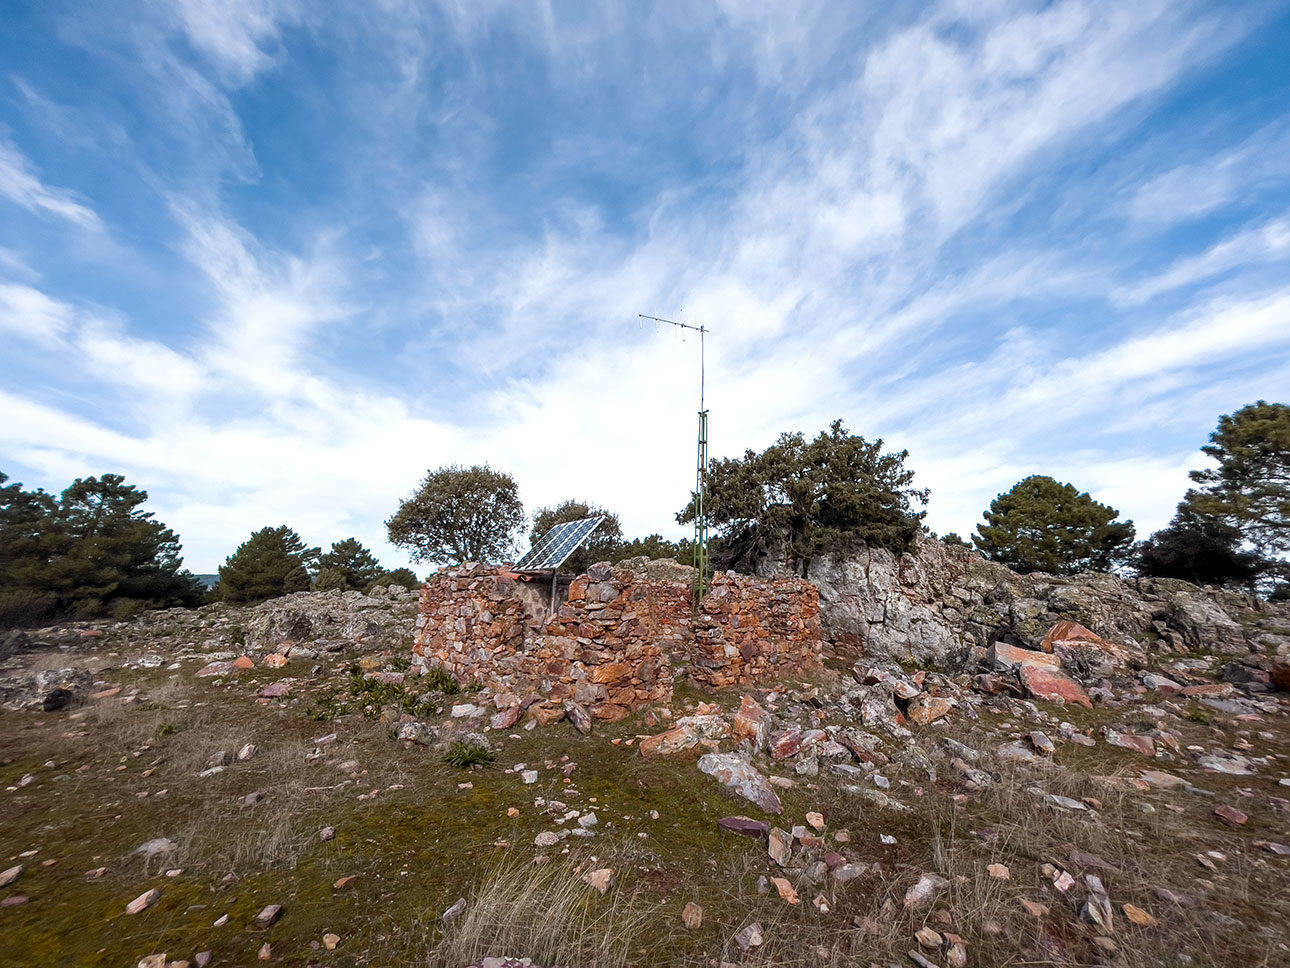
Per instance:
x=274, y=260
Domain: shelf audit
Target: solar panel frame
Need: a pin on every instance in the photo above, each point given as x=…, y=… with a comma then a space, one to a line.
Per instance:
x=555, y=547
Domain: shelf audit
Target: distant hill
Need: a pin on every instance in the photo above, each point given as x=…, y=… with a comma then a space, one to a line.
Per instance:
x=208, y=581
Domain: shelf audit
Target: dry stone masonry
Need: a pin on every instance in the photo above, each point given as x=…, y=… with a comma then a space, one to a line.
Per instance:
x=611, y=645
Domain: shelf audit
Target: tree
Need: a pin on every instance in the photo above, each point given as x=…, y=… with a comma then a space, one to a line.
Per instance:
x=654, y=547
x=1197, y=548
x=1041, y=525
x=90, y=551
x=399, y=576
x=353, y=564
x=1249, y=490
x=272, y=562
x=460, y=514
x=603, y=543
x=952, y=540
x=810, y=497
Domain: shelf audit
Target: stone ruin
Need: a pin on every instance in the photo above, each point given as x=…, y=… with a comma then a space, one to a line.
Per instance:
x=619, y=637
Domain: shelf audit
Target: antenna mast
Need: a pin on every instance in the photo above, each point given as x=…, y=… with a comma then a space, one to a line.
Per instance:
x=701, y=474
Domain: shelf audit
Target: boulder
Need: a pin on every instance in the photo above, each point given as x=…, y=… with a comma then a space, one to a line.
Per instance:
x=1055, y=686
x=48, y=690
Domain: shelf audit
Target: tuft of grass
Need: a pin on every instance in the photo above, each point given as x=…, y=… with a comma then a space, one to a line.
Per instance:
x=549, y=915
x=467, y=752
x=438, y=680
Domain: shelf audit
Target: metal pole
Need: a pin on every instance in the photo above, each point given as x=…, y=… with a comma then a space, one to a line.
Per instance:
x=701, y=473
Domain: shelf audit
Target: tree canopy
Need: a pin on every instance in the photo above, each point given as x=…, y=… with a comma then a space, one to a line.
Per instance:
x=1249, y=490
x=460, y=514
x=809, y=498
x=272, y=562
x=347, y=565
x=1042, y=525
x=655, y=546
x=601, y=546
x=1198, y=548
x=91, y=551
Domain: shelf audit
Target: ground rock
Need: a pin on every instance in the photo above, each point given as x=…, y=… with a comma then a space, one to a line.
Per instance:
x=47, y=690
x=739, y=776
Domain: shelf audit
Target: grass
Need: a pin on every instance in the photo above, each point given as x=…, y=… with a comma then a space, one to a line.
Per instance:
x=465, y=753
x=549, y=914
x=419, y=839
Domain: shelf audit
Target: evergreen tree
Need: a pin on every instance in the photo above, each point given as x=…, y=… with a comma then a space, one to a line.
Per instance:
x=460, y=514
x=272, y=562
x=1249, y=490
x=818, y=496
x=405, y=577
x=952, y=540
x=91, y=551
x=1041, y=525
x=654, y=547
x=356, y=565
x=603, y=543
x=1197, y=548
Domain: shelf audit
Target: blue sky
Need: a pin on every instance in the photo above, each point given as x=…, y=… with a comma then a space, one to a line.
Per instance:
x=274, y=260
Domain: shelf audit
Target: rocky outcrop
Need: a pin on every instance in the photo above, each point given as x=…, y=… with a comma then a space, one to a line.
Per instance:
x=934, y=604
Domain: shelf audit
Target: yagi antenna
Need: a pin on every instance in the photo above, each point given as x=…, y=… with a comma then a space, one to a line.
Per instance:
x=701, y=473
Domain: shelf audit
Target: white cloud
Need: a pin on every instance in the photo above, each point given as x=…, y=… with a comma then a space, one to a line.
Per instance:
x=21, y=185
x=30, y=314
x=1198, y=188
x=1260, y=244
x=235, y=33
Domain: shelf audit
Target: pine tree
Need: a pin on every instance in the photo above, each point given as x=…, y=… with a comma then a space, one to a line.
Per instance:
x=1249, y=490
x=356, y=566
x=272, y=562
x=1041, y=525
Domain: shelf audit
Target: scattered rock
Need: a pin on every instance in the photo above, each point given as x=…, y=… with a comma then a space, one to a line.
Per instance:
x=269, y=915
x=780, y=847
x=11, y=875
x=457, y=908
x=1231, y=816
x=330, y=941
x=928, y=885
x=144, y=901
x=602, y=880
x=758, y=829
x=785, y=889
x=741, y=777
x=692, y=916
x=750, y=936
x=673, y=741
x=752, y=724
x=1139, y=916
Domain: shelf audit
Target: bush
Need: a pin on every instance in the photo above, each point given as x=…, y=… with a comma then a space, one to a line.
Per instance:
x=437, y=680
x=124, y=609
x=25, y=607
x=331, y=579
x=468, y=752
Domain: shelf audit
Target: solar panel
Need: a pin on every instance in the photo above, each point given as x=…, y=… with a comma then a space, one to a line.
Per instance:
x=558, y=544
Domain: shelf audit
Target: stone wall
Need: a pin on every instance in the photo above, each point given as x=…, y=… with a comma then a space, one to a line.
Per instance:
x=611, y=644
x=750, y=629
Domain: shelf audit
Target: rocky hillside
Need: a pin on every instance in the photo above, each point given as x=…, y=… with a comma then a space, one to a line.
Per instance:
x=935, y=605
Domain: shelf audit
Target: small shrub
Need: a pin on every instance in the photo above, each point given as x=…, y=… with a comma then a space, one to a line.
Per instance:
x=468, y=752
x=438, y=680
x=1200, y=714
x=22, y=607
x=124, y=609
